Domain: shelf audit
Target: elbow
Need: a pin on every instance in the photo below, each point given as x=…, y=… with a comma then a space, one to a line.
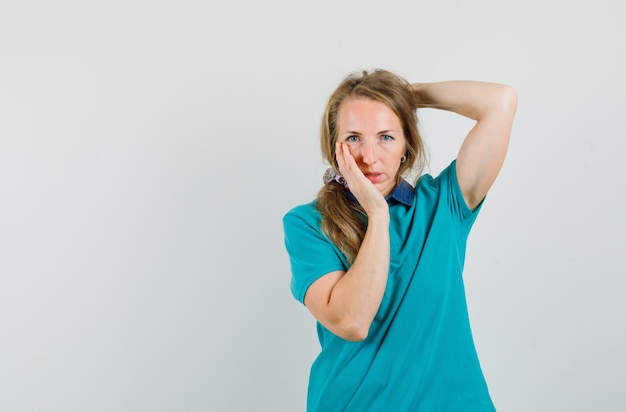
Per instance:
x=356, y=336
x=353, y=331
x=508, y=98
x=501, y=103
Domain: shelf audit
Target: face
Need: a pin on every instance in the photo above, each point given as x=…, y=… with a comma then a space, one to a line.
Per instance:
x=376, y=140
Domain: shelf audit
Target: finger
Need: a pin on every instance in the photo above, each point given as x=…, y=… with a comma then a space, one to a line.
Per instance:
x=338, y=156
x=343, y=152
x=349, y=160
x=338, y=150
x=341, y=156
x=349, y=169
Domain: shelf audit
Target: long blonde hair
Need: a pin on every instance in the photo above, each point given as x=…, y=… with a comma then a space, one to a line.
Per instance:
x=343, y=221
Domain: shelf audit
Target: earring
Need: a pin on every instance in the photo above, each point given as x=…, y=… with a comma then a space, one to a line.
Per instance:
x=403, y=159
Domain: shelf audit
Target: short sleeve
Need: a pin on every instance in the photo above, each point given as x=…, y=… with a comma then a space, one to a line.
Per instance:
x=311, y=253
x=456, y=200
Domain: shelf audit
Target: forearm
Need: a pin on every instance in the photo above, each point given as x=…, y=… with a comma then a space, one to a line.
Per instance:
x=471, y=99
x=356, y=297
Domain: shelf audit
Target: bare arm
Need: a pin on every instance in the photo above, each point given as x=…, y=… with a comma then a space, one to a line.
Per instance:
x=482, y=153
x=346, y=302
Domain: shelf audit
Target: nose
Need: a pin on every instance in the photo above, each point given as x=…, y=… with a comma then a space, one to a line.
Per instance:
x=368, y=153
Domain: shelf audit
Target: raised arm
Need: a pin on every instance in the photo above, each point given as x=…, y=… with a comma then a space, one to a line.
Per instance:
x=482, y=153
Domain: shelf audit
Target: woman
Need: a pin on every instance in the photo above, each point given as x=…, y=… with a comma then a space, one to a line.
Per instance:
x=378, y=262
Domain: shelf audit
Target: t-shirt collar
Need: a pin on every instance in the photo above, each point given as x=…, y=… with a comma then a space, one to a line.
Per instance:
x=403, y=193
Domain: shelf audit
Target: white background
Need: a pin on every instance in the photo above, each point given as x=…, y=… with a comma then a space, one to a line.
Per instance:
x=149, y=149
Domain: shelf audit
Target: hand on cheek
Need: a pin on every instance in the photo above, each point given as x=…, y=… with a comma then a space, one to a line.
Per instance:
x=361, y=187
x=347, y=164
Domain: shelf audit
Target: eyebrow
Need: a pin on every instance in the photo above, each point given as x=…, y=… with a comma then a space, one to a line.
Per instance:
x=381, y=132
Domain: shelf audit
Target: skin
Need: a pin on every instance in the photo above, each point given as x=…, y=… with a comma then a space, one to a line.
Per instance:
x=372, y=134
x=369, y=150
x=482, y=153
x=346, y=302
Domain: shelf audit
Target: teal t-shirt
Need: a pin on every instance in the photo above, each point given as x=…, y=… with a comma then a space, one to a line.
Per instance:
x=419, y=354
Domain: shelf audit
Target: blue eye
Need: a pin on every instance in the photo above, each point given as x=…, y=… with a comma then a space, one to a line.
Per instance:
x=352, y=139
x=386, y=138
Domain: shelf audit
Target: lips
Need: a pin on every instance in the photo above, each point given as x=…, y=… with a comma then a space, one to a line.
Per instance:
x=374, y=177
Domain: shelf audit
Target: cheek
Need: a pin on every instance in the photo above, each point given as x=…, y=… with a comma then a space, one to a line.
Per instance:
x=396, y=165
x=355, y=151
x=395, y=160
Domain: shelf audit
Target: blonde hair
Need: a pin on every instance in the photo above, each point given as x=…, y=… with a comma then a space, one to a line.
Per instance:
x=343, y=221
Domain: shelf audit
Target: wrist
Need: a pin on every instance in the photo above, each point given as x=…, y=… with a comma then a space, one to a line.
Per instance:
x=419, y=95
x=379, y=215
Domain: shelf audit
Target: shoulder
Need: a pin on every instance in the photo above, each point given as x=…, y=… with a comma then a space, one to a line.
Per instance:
x=306, y=211
x=447, y=176
x=445, y=188
x=303, y=219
